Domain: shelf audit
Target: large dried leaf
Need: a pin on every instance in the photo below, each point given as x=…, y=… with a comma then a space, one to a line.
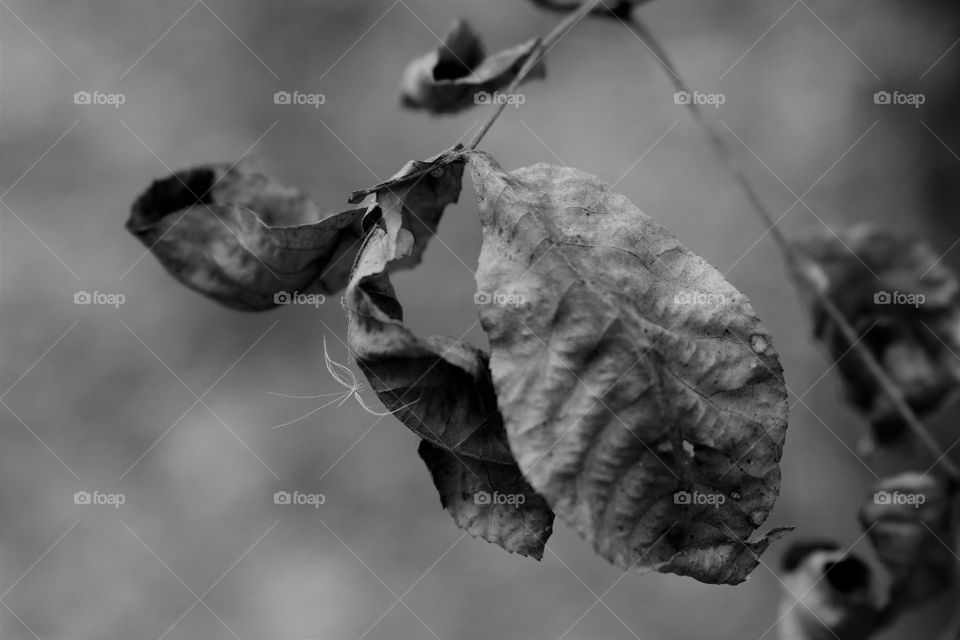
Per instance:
x=438, y=387
x=904, y=303
x=641, y=395
x=455, y=75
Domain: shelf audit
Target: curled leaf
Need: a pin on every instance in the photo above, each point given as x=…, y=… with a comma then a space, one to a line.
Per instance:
x=909, y=521
x=243, y=239
x=251, y=243
x=904, y=304
x=458, y=74
x=439, y=388
x=827, y=594
x=641, y=395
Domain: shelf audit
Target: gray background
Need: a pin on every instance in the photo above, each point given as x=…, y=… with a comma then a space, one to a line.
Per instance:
x=90, y=390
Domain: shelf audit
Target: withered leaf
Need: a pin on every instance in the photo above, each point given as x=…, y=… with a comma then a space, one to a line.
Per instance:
x=904, y=303
x=909, y=521
x=491, y=501
x=439, y=388
x=249, y=242
x=641, y=395
x=458, y=75
x=243, y=239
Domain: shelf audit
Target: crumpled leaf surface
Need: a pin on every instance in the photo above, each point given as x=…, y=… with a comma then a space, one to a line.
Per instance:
x=447, y=79
x=242, y=238
x=628, y=371
x=875, y=275
x=438, y=387
x=826, y=595
x=909, y=522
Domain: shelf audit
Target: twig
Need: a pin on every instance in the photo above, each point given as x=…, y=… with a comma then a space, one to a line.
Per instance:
x=539, y=50
x=798, y=267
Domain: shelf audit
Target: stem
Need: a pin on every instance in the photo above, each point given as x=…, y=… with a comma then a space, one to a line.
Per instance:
x=797, y=266
x=540, y=48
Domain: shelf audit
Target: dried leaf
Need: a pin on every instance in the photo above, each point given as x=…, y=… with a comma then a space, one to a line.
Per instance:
x=827, y=594
x=249, y=242
x=491, y=501
x=641, y=395
x=454, y=76
x=909, y=521
x=903, y=301
x=438, y=387
x=242, y=238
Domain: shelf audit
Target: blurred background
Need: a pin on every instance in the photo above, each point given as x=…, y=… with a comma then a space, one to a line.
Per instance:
x=163, y=399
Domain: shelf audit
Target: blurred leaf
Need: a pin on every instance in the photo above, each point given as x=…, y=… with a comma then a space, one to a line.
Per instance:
x=827, y=594
x=450, y=78
x=909, y=521
x=902, y=300
x=438, y=387
x=641, y=395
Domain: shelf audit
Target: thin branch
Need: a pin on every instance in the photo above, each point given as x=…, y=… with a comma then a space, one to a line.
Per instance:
x=539, y=50
x=799, y=268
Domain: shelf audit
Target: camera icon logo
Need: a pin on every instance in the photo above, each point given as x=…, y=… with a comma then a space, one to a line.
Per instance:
x=682, y=497
x=281, y=497
x=82, y=297
x=882, y=497
x=881, y=297
x=482, y=97
x=282, y=97
x=482, y=497
x=682, y=97
x=282, y=297
x=482, y=297
x=82, y=97
x=882, y=97
x=81, y=497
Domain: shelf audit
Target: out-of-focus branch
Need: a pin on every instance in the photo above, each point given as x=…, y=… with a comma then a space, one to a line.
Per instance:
x=801, y=270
